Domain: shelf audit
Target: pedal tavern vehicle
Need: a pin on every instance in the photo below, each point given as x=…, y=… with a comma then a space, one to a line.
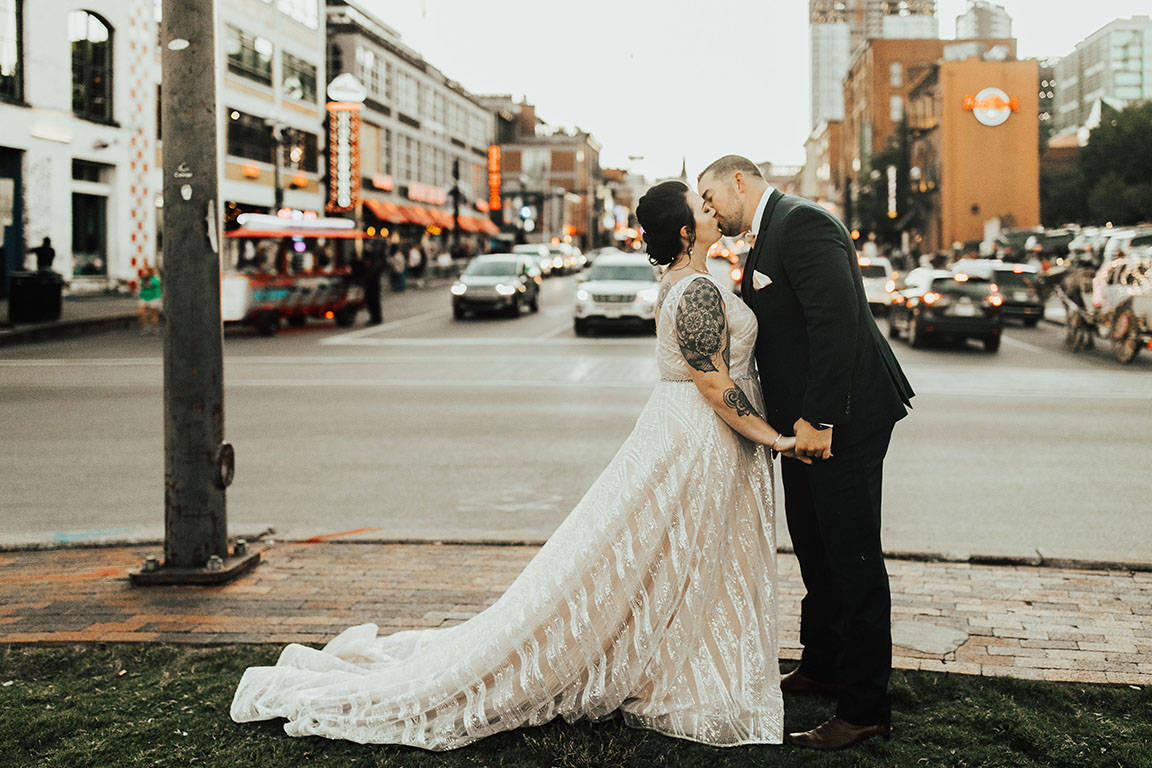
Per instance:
x=292, y=269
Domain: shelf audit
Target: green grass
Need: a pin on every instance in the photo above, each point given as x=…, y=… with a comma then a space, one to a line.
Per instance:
x=136, y=705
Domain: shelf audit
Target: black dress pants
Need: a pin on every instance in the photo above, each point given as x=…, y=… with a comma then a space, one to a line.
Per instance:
x=833, y=512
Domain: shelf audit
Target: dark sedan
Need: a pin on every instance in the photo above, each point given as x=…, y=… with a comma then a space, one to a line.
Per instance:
x=497, y=282
x=1019, y=286
x=936, y=304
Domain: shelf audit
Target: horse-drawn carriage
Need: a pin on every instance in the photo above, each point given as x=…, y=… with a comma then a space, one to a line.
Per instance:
x=1112, y=302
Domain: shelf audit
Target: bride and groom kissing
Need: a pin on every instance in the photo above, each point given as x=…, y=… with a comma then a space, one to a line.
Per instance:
x=656, y=599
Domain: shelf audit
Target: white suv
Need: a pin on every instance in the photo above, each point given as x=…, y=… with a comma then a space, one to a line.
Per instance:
x=619, y=288
x=878, y=282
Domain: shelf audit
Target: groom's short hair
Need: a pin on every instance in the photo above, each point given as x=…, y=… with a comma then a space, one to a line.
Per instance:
x=730, y=164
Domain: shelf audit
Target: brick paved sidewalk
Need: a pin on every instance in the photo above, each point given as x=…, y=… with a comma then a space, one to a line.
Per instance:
x=1029, y=622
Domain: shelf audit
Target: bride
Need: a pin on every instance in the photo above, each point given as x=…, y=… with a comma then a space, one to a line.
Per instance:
x=656, y=597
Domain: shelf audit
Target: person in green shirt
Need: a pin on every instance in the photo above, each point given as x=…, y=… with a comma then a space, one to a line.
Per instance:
x=150, y=300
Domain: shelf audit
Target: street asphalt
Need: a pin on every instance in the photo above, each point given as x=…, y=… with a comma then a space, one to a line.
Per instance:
x=492, y=429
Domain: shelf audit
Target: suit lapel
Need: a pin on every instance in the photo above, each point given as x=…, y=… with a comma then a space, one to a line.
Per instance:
x=747, y=286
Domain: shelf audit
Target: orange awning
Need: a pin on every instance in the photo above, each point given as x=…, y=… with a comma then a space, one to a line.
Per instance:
x=417, y=215
x=386, y=211
x=469, y=224
x=442, y=219
x=489, y=227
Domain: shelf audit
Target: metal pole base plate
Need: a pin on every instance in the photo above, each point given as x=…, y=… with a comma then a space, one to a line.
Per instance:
x=164, y=576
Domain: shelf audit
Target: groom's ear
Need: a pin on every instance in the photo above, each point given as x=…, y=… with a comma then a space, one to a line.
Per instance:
x=738, y=179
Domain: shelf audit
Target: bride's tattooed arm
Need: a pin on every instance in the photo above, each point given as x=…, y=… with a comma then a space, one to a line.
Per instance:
x=704, y=339
x=701, y=328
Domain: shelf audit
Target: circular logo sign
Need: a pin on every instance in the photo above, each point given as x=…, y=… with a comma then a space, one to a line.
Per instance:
x=992, y=107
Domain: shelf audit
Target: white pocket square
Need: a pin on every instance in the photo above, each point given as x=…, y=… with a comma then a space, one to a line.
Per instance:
x=760, y=280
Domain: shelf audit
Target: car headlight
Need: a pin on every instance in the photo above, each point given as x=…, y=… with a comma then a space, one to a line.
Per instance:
x=505, y=290
x=557, y=262
x=459, y=289
x=648, y=294
x=582, y=295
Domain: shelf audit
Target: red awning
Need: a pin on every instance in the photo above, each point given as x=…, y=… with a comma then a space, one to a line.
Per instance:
x=386, y=211
x=469, y=224
x=489, y=227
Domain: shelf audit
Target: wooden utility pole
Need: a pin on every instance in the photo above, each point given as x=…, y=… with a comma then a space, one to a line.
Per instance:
x=198, y=464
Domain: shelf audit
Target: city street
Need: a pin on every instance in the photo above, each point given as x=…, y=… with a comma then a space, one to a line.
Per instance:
x=492, y=428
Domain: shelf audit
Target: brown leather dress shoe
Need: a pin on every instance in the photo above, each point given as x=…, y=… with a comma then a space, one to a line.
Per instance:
x=796, y=683
x=837, y=734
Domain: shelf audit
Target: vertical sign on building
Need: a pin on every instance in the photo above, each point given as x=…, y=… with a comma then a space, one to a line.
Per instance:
x=343, y=156
x=346, y=94
x=494, y=203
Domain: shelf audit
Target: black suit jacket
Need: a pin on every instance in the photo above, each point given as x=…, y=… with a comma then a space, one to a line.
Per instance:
x=819, y=352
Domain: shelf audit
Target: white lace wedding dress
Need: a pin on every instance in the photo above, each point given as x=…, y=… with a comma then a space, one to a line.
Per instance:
x=656, y=598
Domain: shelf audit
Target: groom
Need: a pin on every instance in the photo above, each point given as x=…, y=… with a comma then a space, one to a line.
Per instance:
x=830, y=379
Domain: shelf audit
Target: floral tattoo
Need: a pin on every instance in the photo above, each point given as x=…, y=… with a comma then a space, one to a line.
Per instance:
x=701, y=328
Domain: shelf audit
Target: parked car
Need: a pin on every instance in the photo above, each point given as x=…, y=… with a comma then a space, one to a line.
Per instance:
x=1050, y=246
x=1019, y=286
x=1011, y=243
x=566, y=259
x=878, y=282
x=503, y=282
x=1124, y=241
x=540, y=253
x=1087, y=248
x=937, y=304
x=618, y=289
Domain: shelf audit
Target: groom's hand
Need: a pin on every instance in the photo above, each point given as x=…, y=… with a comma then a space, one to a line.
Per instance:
x=811, y=442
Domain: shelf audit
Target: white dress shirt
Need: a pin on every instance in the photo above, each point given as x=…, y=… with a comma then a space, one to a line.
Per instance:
x=758, y=219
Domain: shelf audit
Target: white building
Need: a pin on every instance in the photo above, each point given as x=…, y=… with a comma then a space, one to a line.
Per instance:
x=78, y=154
x=1113, y=63
x=271, y=60
x=983, y=20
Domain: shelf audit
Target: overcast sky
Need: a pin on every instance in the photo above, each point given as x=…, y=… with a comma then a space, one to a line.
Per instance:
x=664, y=79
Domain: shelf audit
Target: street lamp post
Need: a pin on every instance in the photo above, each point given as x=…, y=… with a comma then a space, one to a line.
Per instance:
x=198, y=464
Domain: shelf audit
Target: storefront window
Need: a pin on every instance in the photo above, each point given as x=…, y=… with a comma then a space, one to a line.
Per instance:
x=11, y=50
x=299, y=78
x=89, y=234
x=249, y=137
x=249, y=56
x=300, y=150
x=91, y=41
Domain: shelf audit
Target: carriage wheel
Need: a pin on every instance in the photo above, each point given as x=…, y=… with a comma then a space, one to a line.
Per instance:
x=1125, y=336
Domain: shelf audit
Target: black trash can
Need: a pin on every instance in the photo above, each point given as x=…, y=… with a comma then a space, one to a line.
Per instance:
x=34, y=297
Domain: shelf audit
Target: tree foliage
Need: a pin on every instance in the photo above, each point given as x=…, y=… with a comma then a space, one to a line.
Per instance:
x=1112, y=180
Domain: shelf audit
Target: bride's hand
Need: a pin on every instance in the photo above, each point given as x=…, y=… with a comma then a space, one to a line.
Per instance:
x=786, y=446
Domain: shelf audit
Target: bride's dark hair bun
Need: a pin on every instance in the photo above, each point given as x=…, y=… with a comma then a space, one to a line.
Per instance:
x=662, y=212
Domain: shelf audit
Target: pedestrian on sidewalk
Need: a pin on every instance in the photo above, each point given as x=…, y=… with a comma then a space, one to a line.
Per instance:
x=150, y=301
x=417, y=262
x=45, y=255
x=371, y=269
x=397, y=267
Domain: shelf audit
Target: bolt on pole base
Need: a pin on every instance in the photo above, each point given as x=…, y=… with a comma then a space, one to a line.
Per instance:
x=216, y=572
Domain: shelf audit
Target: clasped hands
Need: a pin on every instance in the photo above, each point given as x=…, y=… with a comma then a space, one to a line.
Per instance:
x=808, y=444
